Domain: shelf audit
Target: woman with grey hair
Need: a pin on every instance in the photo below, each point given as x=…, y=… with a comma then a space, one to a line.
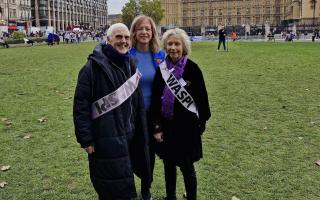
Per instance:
x=180, y=109
x=109, y=117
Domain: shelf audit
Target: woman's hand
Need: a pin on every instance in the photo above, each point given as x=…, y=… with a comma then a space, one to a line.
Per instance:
x=158, y=137
x=89, y=149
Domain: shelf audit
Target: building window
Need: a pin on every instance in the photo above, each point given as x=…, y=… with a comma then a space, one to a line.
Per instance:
x=257, y=20
x=238, y=20
x=211, y=22
x=248, y=11
x=268, y=10
x=238, y=11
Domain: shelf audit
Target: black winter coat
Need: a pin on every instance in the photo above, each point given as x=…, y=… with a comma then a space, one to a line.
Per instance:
x=182, y=134
x=119, y=136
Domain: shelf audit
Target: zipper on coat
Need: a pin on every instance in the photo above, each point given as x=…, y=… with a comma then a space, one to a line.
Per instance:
x=124, y=74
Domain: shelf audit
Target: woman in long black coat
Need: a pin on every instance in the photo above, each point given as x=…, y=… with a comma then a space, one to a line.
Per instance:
x=180, y=109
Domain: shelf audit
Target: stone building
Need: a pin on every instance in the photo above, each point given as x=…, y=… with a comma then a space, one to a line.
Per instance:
x=212, y=13
x=15, y=14
x=66, y=14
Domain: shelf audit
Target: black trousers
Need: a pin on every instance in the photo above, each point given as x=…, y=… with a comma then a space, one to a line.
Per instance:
x=104, y=198
x=224, y=44
x=189, y=176
x=145, y=185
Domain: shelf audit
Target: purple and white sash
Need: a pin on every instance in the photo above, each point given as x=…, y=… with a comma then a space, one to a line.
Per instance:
x=177, y=88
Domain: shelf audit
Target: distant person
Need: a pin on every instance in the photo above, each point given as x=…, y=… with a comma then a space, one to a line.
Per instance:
x=56, y=38
x=234, y=36
x=222, y=39
x=289, y=37
x=4, y=43
x=314, y=34
x=109, y=117
x=67, y=37
x=28, y=41
x=180, y=109
x=50, y=39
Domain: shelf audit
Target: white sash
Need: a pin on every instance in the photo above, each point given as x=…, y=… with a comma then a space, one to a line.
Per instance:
x=116, y=98
x=177, y=88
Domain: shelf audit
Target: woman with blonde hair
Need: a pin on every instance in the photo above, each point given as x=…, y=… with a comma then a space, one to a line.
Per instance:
x=146, y=50
x=180, y=109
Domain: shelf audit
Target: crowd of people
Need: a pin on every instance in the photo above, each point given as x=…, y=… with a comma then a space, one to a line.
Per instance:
x=131, y=104
x=68, y=37
x=74, y=37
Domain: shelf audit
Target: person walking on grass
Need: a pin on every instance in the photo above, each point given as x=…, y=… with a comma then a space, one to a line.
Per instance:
x=180, y=109
x=109, y=117
x=222, y=38
x=146, y=50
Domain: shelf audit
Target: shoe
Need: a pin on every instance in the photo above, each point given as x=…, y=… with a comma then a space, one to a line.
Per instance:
x=146, y=196
x=184, y=195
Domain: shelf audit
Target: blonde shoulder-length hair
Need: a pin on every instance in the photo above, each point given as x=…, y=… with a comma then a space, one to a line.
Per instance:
x=154, y=43
x=179, y=34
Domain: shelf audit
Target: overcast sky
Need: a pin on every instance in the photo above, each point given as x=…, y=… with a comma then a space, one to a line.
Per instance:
x=115, y=6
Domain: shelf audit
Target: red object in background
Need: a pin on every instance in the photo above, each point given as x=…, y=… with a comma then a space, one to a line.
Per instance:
x=12, y=27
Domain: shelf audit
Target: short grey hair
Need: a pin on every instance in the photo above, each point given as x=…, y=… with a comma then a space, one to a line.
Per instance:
x=113, y=27
x=180, y=34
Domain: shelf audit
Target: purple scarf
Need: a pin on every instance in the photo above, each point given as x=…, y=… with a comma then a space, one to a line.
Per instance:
x=167, y=96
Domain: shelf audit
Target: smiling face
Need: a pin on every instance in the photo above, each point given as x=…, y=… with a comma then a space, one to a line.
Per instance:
x=120, y=40
x=174, y=48
x=144, y=33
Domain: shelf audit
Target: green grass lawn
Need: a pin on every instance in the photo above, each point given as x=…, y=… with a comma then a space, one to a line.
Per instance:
x=262, y=141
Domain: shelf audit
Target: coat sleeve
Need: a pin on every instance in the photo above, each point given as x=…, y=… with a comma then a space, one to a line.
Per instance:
x=157, y=90
x=201, y=99
x=82, y=107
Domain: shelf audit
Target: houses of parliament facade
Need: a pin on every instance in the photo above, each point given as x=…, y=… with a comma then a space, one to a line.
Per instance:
x=212, y=13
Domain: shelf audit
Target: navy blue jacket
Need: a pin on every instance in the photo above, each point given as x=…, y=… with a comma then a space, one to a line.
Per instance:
x=119, y=136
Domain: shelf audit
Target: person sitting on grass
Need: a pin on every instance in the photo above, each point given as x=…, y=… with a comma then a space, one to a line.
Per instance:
x=28, y=41
x=4, y=43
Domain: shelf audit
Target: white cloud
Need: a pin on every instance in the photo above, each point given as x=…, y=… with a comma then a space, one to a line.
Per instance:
x=115, y=6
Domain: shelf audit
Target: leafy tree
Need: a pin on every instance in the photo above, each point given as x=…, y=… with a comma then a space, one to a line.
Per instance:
x=151, y=8
x=129, y=11
x=18, y=35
